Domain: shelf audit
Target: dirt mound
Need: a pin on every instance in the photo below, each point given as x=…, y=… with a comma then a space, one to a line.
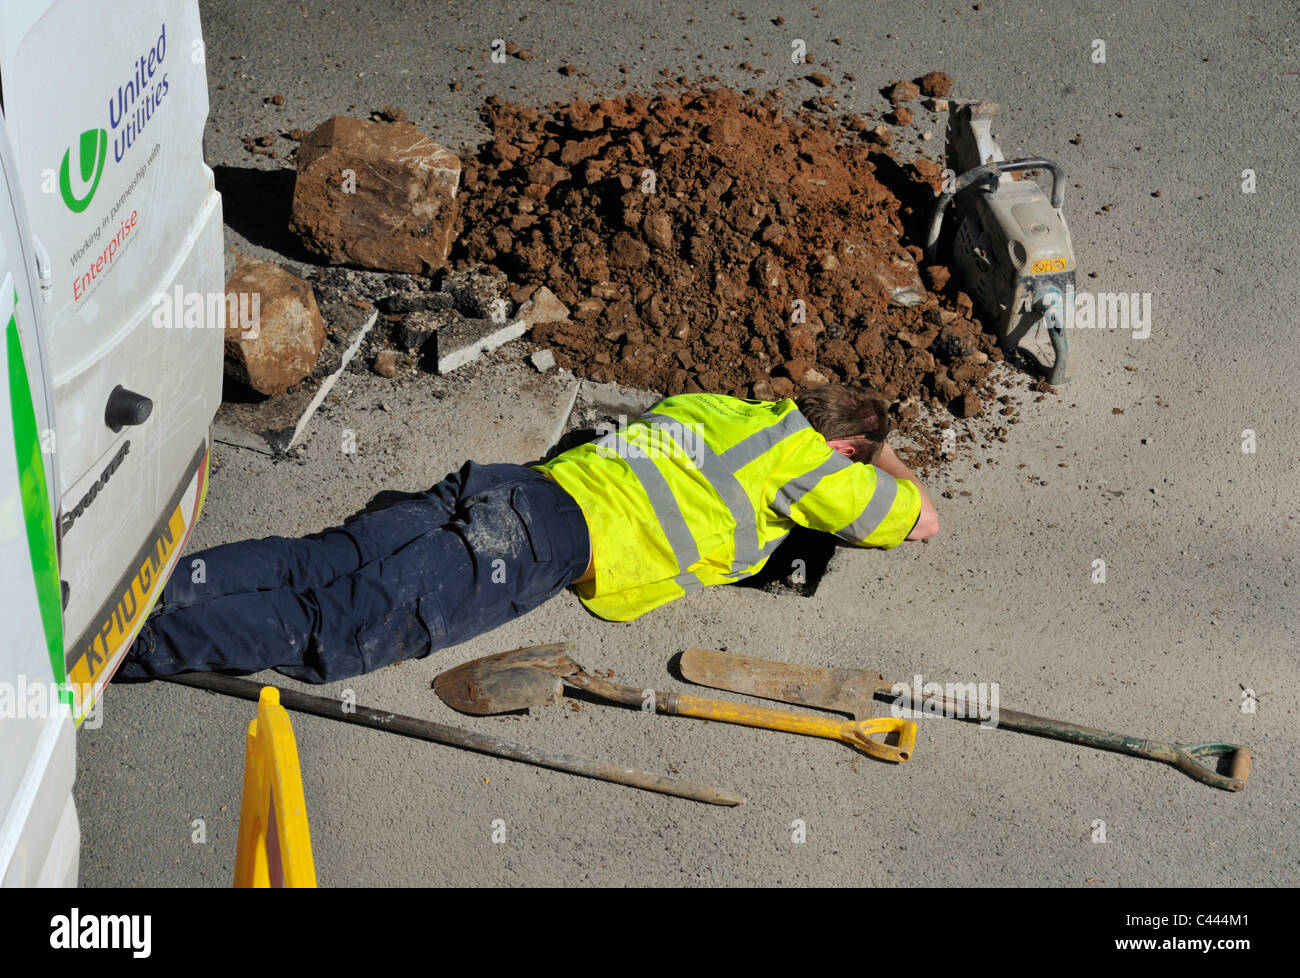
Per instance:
x=710, y=241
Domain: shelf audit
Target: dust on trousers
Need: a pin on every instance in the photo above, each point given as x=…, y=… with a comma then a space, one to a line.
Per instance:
x=410, y=574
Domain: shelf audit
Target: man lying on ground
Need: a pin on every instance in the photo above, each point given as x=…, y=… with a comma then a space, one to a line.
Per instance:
x=700, y=490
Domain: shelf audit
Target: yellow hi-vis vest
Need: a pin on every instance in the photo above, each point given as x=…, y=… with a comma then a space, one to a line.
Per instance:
x=703, y=487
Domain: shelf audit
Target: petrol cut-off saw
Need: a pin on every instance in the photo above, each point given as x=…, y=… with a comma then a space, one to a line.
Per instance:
x=1012, y=248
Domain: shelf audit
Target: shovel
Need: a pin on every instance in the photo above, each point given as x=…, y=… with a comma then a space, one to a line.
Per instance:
x=536, y=676
x=851, y=691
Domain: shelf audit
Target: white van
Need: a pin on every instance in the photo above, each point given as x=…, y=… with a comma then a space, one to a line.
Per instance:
x=107, y=210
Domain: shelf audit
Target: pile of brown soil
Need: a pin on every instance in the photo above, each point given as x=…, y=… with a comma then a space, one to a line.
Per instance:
x=706, y=240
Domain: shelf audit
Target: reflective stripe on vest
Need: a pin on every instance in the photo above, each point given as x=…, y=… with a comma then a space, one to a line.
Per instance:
x=666, y=510
x=882, y=501
x=788, y=496
x=719, y=470
x=872, y=515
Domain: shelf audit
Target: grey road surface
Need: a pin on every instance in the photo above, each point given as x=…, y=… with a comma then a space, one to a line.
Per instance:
x=1139, y=464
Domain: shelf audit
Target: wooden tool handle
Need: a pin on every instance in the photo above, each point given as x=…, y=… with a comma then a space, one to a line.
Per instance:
x=441, y=733
x=1240, y=765
x=756, y=716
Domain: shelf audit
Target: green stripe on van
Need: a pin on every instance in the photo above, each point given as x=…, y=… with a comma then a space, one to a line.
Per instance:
x=36, y=507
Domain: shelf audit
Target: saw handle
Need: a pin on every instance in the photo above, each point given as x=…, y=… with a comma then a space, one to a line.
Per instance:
x=988, y=173
x=1040, y=163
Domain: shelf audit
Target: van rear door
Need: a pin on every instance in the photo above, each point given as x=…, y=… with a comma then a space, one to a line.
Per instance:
x=39, y=837
x=105, y=106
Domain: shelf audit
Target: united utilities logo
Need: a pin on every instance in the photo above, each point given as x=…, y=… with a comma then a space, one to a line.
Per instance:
x=92, y=152
x=130, y=110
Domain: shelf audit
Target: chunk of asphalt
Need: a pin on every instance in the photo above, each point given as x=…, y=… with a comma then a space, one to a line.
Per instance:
x=416, y=302
x=463, y=341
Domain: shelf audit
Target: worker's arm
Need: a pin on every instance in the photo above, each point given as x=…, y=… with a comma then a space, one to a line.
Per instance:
x=860, y=503
x=927, y=524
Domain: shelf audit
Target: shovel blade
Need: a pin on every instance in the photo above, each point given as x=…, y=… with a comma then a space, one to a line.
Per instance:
x=847, y=691
x=508, y=681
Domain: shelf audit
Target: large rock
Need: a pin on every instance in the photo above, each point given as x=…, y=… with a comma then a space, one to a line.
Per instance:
x=377, y=195
x=279, y=348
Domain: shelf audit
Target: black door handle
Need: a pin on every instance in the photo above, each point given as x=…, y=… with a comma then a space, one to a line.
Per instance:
x=126, y=407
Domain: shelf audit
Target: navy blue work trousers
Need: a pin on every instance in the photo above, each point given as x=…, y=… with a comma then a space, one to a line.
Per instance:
x=410, y=574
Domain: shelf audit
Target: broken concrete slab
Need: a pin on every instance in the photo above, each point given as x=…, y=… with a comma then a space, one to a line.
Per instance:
x=378, y=195
x=228, y=434
x=275, y=425
x=501, y=410
x=561, y=421
x=596, y=406
x=280, y=343
x=543, y=360
x=462, y=341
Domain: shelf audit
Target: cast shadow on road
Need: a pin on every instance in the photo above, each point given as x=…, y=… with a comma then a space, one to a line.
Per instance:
x=256, y=204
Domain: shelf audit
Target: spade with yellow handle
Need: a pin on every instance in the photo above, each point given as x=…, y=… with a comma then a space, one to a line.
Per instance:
x=536, y=676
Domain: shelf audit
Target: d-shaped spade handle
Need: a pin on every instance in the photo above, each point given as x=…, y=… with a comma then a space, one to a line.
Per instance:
x=859, y=734
x=1185, y=759
x=854, y=733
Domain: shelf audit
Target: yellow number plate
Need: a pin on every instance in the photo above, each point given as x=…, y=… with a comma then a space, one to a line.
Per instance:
x=1046, y=265
x=97, y=652
x=133, y=601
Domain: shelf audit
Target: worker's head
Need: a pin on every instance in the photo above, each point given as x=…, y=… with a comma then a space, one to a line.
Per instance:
x=854, y=420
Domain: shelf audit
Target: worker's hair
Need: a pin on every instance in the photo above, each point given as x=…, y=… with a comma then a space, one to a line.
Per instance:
x=845, y=411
